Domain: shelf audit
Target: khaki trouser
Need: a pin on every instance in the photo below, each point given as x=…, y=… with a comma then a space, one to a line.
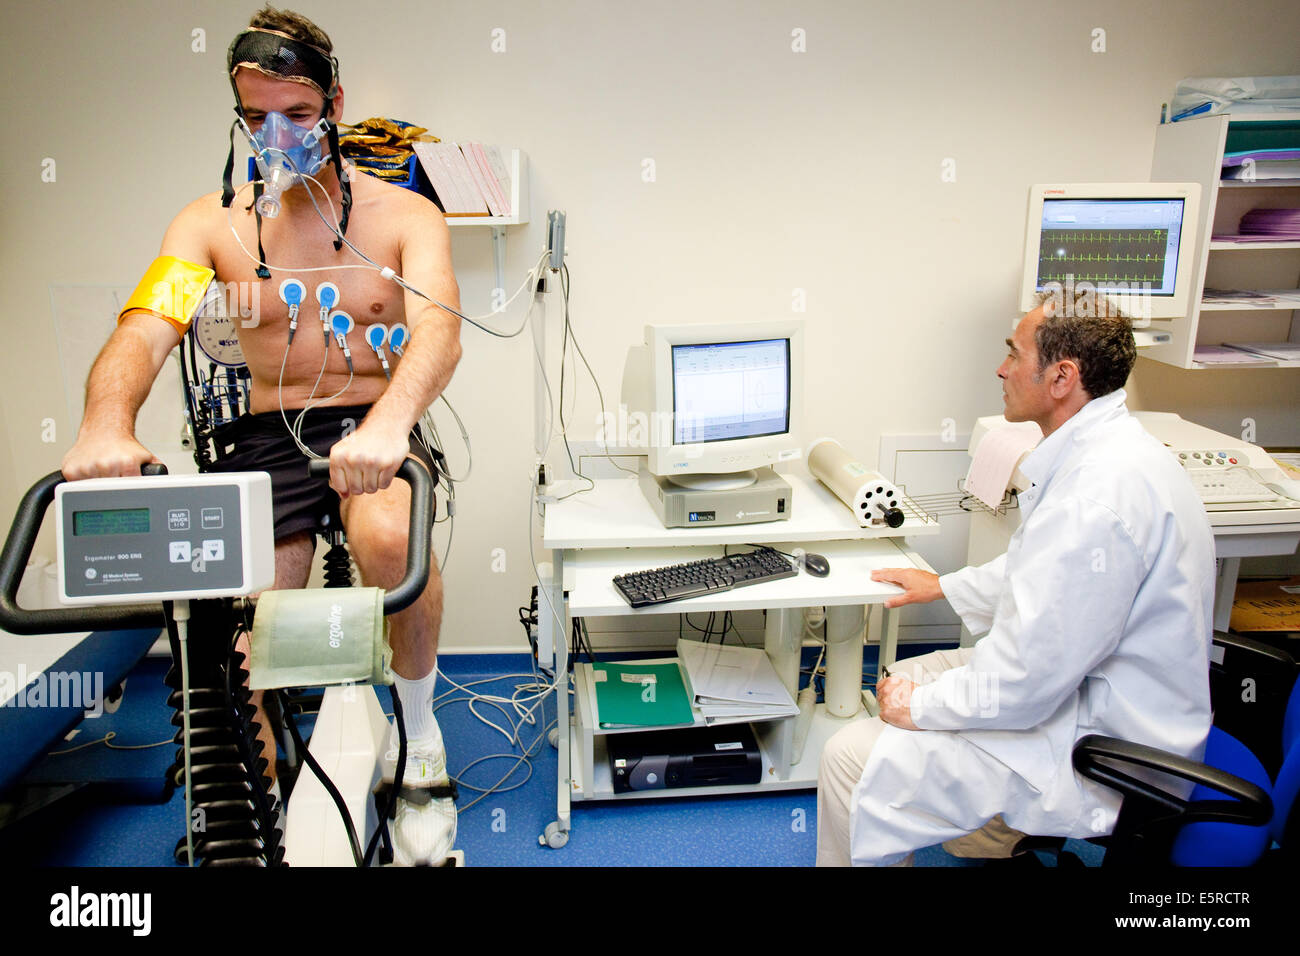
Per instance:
x=845, y=756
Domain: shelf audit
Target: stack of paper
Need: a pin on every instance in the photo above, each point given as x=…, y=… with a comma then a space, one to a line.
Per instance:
x=1275, y=224
x=1286, y=351
x=470, y=180
x=1255, y=164
x=1252, y=298
x=996, y=459
x=1237, y=295
x=1227, y=355
x=731, y=684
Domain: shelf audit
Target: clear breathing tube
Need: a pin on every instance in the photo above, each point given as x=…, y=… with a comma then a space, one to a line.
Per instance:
x=279, y=179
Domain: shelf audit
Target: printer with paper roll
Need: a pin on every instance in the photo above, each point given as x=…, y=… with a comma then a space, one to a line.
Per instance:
x=1230, y=475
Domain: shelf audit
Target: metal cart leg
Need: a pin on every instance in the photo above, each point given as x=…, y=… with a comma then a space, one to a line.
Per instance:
x=556, y=833
x=844, y=631
x=888, y=636
x=1225, y=589
x=781, y=640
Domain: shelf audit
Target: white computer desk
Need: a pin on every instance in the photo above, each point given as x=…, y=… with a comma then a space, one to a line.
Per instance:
x=612, y=530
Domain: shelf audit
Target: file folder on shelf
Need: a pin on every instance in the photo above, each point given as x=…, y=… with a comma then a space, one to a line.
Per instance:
x=641, y=695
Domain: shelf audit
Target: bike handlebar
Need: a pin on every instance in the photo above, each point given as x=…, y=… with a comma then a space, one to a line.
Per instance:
x=418, y=542
x=31, y=514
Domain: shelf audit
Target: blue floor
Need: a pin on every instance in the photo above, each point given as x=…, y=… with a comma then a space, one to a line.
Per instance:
x=117, y=821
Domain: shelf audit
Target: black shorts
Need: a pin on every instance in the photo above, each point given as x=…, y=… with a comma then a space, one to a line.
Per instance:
x=261, y=442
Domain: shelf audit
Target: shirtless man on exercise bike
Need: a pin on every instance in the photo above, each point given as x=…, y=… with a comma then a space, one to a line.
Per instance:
x=283, y=73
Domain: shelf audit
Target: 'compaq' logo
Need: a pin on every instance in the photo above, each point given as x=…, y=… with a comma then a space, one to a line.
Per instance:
x=336, y=625
x=75, y=908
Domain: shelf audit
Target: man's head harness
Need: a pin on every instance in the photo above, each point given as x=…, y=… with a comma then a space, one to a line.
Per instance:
x=281, y=57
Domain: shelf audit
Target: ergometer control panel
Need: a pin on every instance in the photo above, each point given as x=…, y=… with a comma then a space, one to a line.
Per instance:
x=164, y=537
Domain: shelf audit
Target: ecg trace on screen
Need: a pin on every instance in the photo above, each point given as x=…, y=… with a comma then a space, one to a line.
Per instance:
x=1103, y=255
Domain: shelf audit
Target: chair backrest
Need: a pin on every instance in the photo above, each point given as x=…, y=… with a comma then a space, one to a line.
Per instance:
x=1250, y=682
x=1286, y=817
x=1291, y=722
x=1224, y=844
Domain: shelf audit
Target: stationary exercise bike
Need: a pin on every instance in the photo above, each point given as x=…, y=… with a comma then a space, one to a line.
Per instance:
x=234, y=819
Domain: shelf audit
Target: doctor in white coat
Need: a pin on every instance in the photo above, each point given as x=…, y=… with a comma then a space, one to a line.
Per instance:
x=1097, y=619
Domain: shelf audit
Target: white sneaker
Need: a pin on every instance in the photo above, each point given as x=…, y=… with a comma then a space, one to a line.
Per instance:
x=423, y=832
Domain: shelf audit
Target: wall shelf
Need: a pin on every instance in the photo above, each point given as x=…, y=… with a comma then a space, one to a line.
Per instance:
x=1258, y=184
x=1281, y=363
x=519, y=206
x=1219, y=245
x=1192, y=151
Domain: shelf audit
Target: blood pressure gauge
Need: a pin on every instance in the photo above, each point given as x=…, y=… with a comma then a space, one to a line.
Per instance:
x=215, y=335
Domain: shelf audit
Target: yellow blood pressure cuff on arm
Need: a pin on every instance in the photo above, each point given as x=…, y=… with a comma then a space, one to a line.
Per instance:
x=171, y=289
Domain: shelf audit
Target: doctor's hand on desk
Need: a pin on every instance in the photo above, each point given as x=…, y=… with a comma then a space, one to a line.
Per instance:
x=919, y=587
x=894, y=695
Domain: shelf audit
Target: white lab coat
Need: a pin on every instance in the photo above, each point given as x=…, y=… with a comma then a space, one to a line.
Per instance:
x=1097, y=619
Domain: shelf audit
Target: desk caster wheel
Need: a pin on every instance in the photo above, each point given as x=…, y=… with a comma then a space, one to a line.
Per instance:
x=554, y=737
x=554, y=837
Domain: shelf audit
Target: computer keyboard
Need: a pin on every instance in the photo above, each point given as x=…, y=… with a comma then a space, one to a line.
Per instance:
x=1226, y=486
x=693, y=578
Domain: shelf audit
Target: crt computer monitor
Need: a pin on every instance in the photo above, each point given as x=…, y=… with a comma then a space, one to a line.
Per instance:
x=717, y=400
x=1131, y=241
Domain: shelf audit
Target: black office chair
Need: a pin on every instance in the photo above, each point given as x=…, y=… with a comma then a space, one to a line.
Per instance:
x=1226, y=819
x=1250, y=687
x=1242, y=810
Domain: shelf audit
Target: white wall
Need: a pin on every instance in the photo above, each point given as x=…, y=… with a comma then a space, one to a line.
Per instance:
x=775, y=171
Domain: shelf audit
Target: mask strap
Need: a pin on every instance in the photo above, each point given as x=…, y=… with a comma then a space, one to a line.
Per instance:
x=345, y=185
x=227, y=190
x=262, y=271
x=228, y=196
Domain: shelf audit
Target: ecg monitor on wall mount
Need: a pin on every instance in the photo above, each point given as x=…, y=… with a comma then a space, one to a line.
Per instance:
x=1131, y=241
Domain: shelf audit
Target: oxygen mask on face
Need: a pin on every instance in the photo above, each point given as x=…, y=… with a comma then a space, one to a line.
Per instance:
x=284, y=153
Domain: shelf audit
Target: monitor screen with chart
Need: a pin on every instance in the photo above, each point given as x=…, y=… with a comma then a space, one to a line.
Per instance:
x=729, y=390
x=718, y=398
x=1132, y=242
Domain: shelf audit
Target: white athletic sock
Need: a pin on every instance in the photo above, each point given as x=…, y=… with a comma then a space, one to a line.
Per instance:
x=416, y=697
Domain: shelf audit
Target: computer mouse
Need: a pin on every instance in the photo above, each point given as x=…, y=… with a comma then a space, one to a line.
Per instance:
x=816, y=565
